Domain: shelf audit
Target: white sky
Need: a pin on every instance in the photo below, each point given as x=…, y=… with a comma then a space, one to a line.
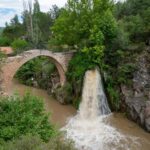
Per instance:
x=8, y=8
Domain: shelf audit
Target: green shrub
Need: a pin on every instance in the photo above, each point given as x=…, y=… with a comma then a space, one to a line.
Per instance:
x=19, y=45
x=24, y=115
x=114, y=97
x=76, y=102
x=4, y=41
x=35, y=143
x=125, y=73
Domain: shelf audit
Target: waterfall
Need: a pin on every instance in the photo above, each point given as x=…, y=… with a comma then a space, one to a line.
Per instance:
x=89, y=128
x=94, y=101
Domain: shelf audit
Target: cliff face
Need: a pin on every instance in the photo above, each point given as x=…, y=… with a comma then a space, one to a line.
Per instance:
x=137, y=97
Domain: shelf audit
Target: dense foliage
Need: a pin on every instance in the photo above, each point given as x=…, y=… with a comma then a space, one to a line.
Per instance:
x=132, y=36
x=35, y=143
x=24, y=115
x=134, y=16
x=38, y=72
x=88, y=23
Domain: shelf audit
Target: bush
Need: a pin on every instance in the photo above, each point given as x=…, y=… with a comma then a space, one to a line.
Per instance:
x=125, y=73
x=24, y=115
x=19, y=45
x=35, y=143
x=76, y=102
x=114, y=97
x=4, y=41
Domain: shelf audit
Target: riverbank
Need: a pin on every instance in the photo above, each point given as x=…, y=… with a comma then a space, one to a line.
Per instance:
x=59, y=113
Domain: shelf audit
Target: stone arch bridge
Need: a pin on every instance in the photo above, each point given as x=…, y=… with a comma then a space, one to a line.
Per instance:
x=12, y=64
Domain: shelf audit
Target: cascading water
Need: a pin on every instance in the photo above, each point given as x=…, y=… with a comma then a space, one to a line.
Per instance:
x=88, y=129
x=94, y=102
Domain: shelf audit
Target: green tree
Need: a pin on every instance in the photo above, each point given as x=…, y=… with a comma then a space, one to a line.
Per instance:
x=54, y=12
x=91, y=27
x=79, y=20
x=135, y=15
x=36, y=7
x=1, y=31
x=14, y=29
x=37, y=24
x=15, y=20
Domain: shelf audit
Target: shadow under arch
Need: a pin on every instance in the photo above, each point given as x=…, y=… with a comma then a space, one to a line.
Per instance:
x=13, y=64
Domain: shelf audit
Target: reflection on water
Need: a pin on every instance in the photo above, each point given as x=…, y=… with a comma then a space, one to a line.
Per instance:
x=60, y=114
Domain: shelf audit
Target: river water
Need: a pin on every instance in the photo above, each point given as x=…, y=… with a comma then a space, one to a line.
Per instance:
x=95, y=128
x=59, y=113
x=125, y=133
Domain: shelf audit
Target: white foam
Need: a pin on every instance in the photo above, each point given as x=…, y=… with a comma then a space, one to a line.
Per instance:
x=88, y=129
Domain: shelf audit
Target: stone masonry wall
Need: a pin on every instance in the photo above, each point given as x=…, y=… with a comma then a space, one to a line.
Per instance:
x=12, y=64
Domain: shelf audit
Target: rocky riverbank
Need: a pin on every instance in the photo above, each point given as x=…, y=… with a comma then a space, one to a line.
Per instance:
x=137, y=97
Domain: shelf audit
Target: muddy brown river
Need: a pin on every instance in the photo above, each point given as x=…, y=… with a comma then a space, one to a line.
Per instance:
x=61, y=113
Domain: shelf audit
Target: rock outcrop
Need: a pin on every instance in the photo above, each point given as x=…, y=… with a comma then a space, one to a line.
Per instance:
x=137, y=97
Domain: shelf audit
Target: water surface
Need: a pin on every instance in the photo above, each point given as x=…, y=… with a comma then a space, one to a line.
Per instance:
x=59, y=113
x=134, y=136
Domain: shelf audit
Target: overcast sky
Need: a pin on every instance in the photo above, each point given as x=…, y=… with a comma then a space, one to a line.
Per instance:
x=8, y=8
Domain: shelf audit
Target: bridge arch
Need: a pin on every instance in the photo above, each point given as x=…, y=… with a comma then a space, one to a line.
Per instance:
x=12, y=64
